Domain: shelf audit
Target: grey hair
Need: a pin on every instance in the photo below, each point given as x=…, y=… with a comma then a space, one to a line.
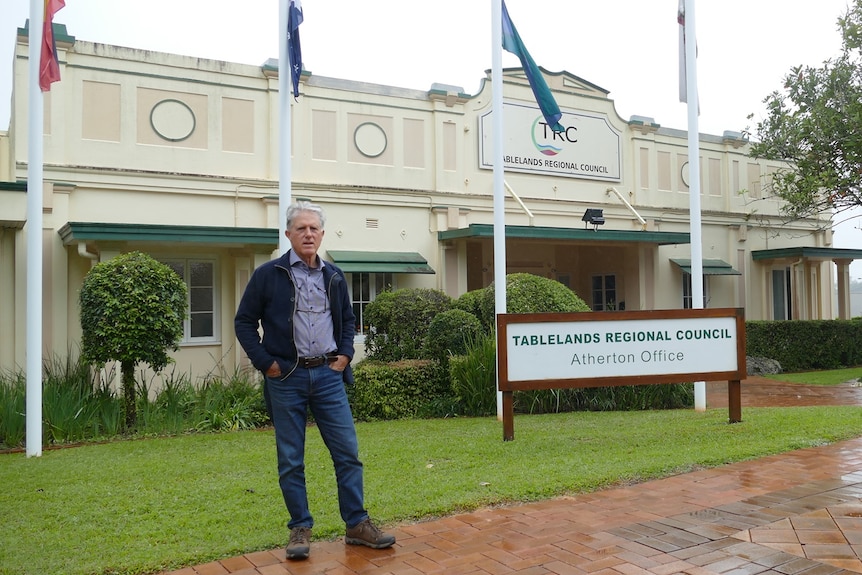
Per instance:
x=301, y=206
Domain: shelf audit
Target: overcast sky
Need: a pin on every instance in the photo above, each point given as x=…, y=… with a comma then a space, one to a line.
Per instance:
x=628, y=47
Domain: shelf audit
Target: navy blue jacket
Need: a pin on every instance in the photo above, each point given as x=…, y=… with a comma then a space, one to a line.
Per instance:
x=270, y=299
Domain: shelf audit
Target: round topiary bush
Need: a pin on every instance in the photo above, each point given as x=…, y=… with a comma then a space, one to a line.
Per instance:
x=471, y=302
x=449, y=334
x=132, y=310
x=528, y=293
x=399, y=321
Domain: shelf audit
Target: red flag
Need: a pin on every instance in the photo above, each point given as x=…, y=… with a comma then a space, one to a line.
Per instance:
x=49, y=65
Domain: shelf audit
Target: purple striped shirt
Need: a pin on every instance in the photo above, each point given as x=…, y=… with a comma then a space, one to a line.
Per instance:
x=312, y=322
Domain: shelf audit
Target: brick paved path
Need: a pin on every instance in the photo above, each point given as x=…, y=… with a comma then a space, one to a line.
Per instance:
x=798, y=513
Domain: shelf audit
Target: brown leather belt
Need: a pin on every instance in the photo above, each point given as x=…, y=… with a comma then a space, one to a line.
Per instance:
x=316, y=360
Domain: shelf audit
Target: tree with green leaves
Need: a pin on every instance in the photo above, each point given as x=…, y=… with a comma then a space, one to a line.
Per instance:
x=815, y=124
x=132, y=310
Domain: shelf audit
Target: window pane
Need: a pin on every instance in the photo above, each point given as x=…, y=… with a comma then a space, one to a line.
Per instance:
x=365, y=294
x=202, y=299
x=202, y=324
x=357, y=311
x=199, y=277
x=355, y=286
x=201, y=273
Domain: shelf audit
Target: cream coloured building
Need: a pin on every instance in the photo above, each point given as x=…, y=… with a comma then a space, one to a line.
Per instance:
x=178, y=157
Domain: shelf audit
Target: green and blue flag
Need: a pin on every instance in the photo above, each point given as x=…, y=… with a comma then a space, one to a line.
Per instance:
x=512, y=43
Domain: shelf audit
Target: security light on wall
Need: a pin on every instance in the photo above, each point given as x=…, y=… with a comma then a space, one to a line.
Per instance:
x=593, y=217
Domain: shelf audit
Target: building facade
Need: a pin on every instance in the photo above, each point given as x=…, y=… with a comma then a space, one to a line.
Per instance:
x=178, y=157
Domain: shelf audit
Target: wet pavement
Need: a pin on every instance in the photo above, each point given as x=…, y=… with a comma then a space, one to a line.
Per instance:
x=797, y=513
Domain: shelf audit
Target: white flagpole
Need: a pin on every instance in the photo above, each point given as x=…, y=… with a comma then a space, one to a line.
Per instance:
x=284, y=165
x=694, y=179
x=499, y=198
x=33, y=350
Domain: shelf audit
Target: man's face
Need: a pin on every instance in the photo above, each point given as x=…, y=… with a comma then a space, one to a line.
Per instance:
x=305, y=235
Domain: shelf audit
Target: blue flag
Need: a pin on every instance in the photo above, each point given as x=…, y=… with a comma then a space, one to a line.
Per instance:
x=512, y=43
x=294, y=52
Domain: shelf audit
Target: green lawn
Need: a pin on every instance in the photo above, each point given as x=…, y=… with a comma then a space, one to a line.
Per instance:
x=133, y=507
x=825, y=377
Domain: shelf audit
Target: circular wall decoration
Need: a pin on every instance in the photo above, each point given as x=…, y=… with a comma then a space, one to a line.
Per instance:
x=683, y=174
x=370, y=139
x=172, y=120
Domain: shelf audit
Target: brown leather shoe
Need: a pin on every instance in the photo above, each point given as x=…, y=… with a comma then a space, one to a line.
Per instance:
x=367, y=533
x=299, y=543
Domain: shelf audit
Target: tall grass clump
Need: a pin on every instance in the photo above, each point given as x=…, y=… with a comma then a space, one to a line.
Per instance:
x=79, y=404
x=172, y=407
x=474, y=379
x=230, y=403
x=74, y=407
x=12, y=409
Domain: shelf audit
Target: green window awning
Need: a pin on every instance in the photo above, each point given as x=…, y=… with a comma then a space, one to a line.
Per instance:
x=110, y=232
x=809, y=252
x=710, y=267
x=380, y=262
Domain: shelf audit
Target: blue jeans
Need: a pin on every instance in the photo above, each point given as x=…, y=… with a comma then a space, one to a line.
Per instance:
x=322, y=390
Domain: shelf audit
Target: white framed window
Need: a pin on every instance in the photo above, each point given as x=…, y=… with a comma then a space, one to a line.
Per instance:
x=604, y=290
x=201, y=325
x=686, y=291
x=364, y=287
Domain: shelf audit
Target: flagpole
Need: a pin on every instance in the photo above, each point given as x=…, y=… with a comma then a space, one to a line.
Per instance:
x=33, y=349
x=284, y=164
x=499, y=199
x=694, y=178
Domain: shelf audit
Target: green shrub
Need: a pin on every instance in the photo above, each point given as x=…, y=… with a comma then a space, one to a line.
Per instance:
x=395, y=390
x=471, y=302
x=448, y=334
x=399, y=322
x=528, y=293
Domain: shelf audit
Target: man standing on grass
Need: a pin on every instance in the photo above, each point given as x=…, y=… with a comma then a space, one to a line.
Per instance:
x=303, y=305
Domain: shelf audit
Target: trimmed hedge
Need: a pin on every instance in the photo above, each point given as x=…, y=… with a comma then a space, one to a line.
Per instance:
x=395, y=390
x=802, y=345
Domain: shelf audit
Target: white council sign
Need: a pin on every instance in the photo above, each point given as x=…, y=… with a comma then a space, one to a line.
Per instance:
x=589, y=147
x=593, y=349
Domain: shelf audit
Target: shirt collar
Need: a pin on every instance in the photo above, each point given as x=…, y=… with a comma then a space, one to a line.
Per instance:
x=295, y=260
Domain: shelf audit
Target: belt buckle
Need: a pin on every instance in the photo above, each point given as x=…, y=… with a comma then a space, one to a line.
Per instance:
x=309, y=362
